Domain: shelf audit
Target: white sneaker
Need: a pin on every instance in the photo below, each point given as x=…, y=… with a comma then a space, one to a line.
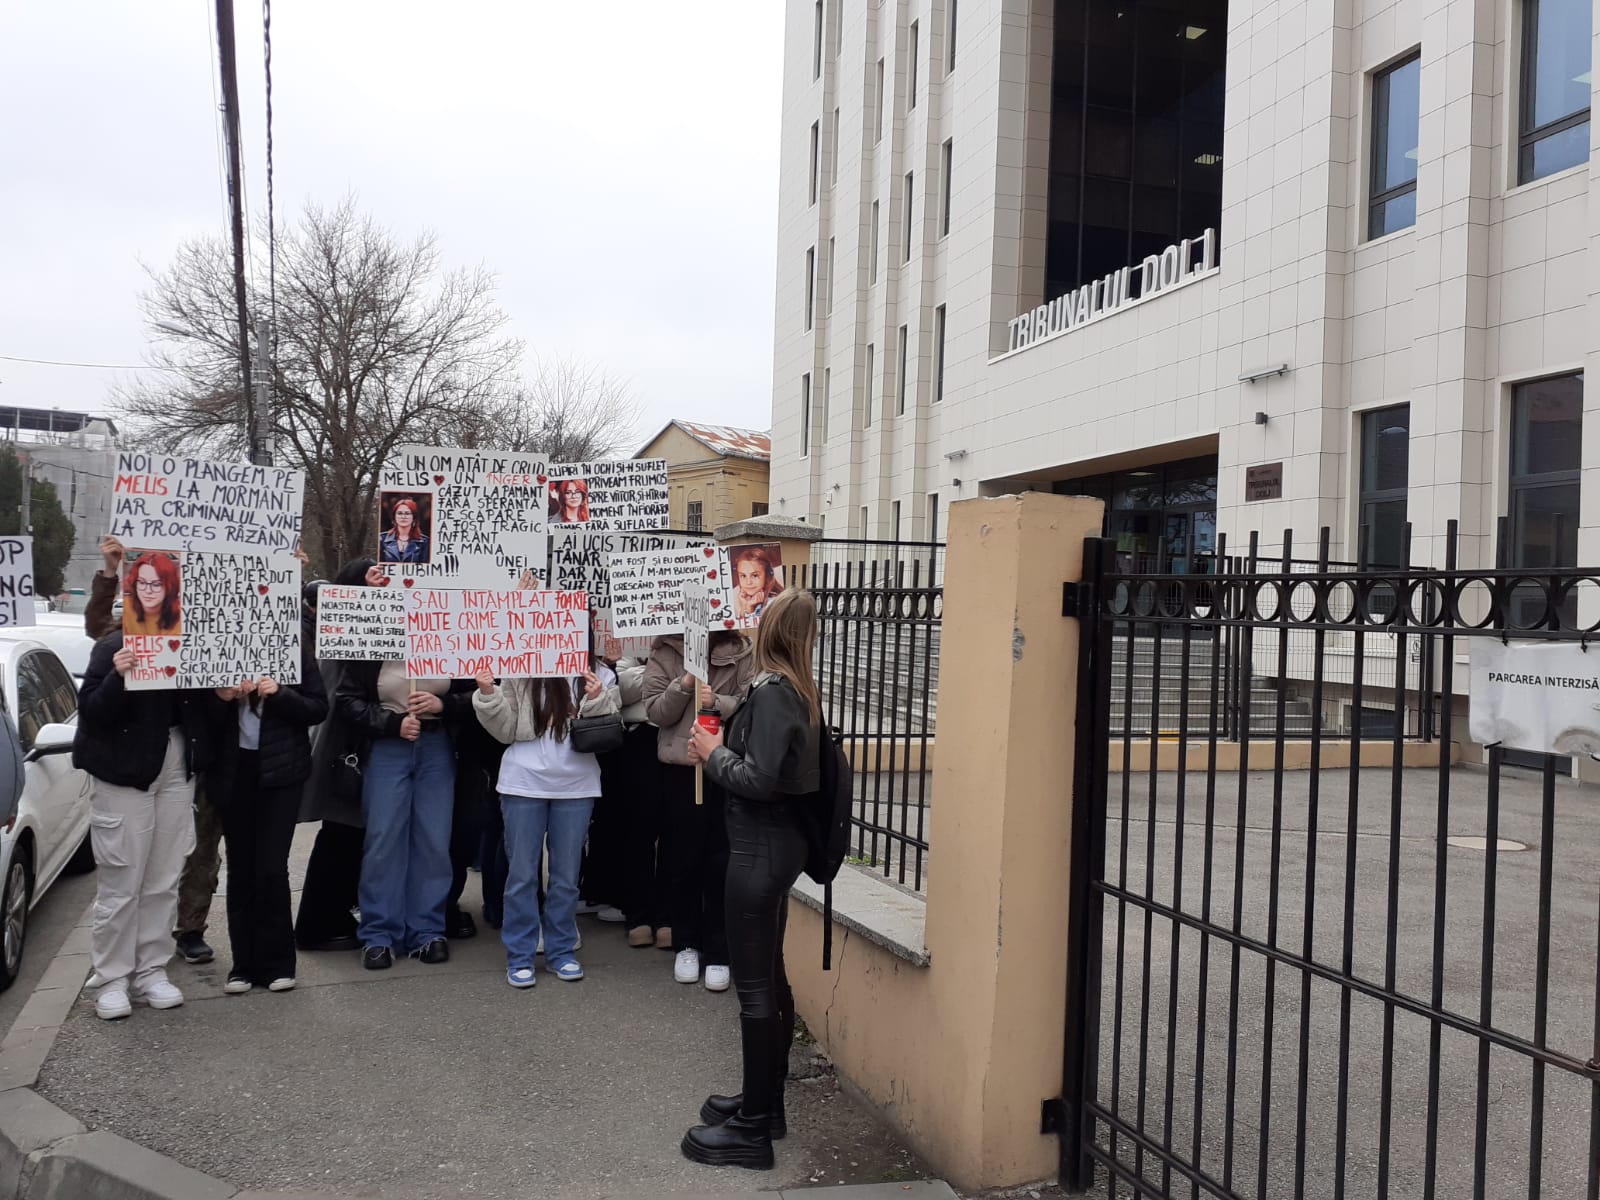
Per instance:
x=611, y=915
x=112, y=1003
x=281, y=985
x=687, y=967
x=718, y=979
x=237, y=987
x=160, y=993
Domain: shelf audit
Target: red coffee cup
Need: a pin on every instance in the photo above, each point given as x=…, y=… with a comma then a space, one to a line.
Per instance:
x=709, y=721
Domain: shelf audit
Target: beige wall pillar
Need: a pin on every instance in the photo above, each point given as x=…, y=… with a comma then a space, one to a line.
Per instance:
x=960, y=1053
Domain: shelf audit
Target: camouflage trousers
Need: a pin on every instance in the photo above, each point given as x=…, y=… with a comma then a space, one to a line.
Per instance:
x=199, y=880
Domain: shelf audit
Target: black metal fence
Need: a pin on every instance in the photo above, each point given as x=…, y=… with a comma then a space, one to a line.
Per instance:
x=1351, y=980
x=879, y=611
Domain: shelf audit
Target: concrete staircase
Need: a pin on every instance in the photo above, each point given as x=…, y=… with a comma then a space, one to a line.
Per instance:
x=1164, y=694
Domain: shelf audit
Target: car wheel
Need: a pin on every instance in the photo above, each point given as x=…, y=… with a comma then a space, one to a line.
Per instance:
x=82, y=860
x=14, y=914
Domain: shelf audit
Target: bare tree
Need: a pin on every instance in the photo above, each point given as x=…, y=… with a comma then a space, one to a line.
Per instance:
x=377, y=346
x=568, y=411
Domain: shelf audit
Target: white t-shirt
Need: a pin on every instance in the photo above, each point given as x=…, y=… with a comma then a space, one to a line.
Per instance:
x=545, y=769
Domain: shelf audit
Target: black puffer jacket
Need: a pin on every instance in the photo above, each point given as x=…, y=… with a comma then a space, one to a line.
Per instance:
x=287, y=717
x=122, y=735
x=770, y=750
x=357, y=707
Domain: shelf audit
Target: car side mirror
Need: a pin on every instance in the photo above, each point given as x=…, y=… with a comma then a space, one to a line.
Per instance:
x=52, y=739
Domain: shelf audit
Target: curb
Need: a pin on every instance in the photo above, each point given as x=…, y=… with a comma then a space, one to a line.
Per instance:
x=48, y=1154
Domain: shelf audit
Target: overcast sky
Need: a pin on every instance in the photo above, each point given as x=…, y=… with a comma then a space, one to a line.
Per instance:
x=615, y=164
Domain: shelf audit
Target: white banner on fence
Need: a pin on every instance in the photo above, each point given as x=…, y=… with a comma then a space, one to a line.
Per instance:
x=647, y=588
x=193, y=504
x=697, y=622
x=232, y=617
x=477, y=518
x=627, y=493
x=360, y=623
x=513, y=633
x=16, y=581
x=1540, y=696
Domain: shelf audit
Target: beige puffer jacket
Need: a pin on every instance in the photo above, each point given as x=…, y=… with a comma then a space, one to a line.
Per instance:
x=672, y=707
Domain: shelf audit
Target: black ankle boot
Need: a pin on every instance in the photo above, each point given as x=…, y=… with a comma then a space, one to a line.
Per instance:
x=718, y=1109
x=740, y=1141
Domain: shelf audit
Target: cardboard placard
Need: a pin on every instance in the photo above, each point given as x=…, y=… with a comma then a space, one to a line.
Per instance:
x=231, y=617
x=697, y=630
x=580, y=560
x=647, y=588
x=1539, y=696
x=170, y=503
x=628, y=493
x=477, y=517
x=512, y=633
x=16, y=582
x=360, y=623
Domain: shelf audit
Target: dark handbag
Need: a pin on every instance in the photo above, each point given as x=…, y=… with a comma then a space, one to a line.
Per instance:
x=597, y=735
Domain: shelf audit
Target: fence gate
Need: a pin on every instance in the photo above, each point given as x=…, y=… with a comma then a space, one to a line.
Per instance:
x=1349, y=970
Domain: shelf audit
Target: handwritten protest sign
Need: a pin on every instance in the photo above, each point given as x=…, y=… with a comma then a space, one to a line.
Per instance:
x=629, y=493
x=513, y=633
x=193, y=504
x=230, y=617
x=355, y=623
x=480, y=514
x=580, y=560
x=697, y=621
x=16, y=581
x=647, y=588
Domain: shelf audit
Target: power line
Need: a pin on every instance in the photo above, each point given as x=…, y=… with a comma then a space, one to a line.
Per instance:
x=56, y=362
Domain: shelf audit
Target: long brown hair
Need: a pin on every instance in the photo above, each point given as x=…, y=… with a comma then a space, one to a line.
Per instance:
x=786, y=641
x=553, y=707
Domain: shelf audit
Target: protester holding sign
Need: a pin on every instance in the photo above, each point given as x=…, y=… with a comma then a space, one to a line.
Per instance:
x=263, y=759
x=548, y=788
x=143, y=753
x=767, y=757
x=333, y=797
x=407, y=793
x=694, y=839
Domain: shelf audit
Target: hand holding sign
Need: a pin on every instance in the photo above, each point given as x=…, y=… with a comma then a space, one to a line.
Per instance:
x=124, y=661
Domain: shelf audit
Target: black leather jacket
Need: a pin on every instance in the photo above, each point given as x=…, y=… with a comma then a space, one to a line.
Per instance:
x=771, y=746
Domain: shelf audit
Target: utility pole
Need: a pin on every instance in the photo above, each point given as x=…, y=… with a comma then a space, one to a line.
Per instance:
x=27, y=491
x=261, y=446
x=230, y=125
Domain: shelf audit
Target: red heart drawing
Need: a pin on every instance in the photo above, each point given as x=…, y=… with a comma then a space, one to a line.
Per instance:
x=543, y=479
x=171, y=671
x=385, y=581
x=262, y=588
x=709, y=551
x=439, y=479
x=730, y=623
x=714, y=604
x=408, y=582
x=711, y=574
x=174, y=643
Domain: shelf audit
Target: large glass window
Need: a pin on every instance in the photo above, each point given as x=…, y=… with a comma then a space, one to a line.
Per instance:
x=1385, y=464
x=1395, y=113
x=1136, y=137
x=1556, y=79
x=1546, y=444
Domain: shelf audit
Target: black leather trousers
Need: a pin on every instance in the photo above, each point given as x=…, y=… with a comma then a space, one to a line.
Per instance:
x=767, y=851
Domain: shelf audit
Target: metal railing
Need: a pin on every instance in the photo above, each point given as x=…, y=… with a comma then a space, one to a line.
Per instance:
x=877, y=665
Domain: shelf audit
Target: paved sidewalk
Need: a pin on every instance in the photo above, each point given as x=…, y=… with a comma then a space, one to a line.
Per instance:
x=427, y=1083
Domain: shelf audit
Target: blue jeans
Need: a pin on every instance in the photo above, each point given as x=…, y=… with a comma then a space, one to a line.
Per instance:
x=528, y=822
x=407, y=796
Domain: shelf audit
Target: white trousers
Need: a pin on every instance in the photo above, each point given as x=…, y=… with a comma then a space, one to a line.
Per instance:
x=140, y=840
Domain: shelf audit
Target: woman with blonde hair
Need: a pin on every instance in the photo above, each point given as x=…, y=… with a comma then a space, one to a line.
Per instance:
x=766, y=760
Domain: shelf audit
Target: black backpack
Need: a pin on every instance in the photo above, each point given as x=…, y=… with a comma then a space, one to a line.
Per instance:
x=827, y=814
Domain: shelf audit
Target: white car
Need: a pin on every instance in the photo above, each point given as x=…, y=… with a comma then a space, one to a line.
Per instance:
x=63, y=633
x=51, y=831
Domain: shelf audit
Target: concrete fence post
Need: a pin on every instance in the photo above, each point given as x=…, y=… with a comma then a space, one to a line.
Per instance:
x=961, y=1053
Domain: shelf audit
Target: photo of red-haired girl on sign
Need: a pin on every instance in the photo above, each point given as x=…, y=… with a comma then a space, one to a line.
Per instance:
x=152, y=600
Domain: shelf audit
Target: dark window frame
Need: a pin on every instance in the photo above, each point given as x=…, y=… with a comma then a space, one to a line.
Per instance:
x=940, y=328
x=1369, y=497
x=910, y=211
x=950, y=38
x=1523, y=483
x=816, y=61
x=694, y=518
x=811, y=286
x=914, y=38
x=805, y=415
x=1376, y=199
x=816, y=161
x=872, y=354
x=947, y=158
x=905, y=343
x=1528, y=138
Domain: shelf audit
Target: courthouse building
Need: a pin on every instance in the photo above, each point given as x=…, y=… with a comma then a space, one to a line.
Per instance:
x=1266, y=265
